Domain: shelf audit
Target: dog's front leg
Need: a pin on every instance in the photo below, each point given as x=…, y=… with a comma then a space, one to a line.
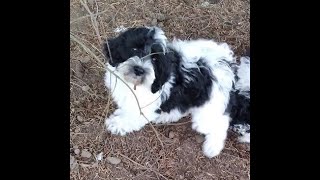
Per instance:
x=122, y=122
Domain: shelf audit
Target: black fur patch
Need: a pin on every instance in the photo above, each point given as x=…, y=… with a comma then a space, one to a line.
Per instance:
x=239, y=108
x=192, y=86
x=132, y=42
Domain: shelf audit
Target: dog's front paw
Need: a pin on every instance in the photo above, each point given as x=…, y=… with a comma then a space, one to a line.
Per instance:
x=117, y=126
x=212, y=148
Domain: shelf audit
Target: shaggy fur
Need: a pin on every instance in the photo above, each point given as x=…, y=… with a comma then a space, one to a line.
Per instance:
x=239, y=105
x=171, y=80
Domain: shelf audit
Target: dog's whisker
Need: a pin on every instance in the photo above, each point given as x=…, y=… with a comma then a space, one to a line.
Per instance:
x=152, y=54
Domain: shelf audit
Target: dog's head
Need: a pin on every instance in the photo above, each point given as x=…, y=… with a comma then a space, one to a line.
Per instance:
x=130, y=53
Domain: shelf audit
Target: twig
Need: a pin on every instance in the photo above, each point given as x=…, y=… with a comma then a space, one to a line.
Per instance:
x=142, y=166
x=86, y=16
x=93, y=20
x=93, y=46
x=95, y=95
x=173, y=124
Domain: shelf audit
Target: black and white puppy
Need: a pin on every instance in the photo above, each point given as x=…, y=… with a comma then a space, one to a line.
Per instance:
x=170, y=80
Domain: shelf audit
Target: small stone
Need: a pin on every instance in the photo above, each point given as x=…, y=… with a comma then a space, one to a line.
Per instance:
x=85, y=88
x=160, y=24
x=160, y=17
x=80, y=118
x=85, y=59
x=100, y=156
x=154, y=22
x=77, y=130
x=205, y=4
x=181, y=177
x=85, y=154
x=77, y=151
x=171, y=134
x=199, y=138
x=113, y=160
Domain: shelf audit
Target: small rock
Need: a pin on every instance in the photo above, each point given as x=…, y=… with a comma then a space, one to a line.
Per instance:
x=160, y=17
x=85, y=88
x=77, y=151
x=199, y=138
x=100, y=156
x=77, y=130
x=113, y=160
x=154, y=22
x=181, y=177
x=85, y=154
x=160, y=24
x=205, y=4
x=85, y=59
x=171, y=134
x=80, y=118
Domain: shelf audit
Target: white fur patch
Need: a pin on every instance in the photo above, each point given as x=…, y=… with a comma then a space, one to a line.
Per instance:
x=243, y=72
x=244, y=138
x=120, y=29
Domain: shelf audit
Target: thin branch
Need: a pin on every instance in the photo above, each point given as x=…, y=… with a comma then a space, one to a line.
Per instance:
x=142, y=166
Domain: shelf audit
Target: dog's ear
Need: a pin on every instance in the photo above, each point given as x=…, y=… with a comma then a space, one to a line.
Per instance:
x=107, y=47
x=110, y=48
x=156, y=48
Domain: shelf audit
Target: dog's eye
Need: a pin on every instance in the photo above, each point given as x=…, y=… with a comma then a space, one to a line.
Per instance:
x=134, y=49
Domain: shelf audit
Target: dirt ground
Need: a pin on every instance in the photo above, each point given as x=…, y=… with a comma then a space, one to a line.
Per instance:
x=95, y=153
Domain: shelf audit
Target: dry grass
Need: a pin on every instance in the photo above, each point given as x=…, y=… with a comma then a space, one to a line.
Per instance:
x=149, y=153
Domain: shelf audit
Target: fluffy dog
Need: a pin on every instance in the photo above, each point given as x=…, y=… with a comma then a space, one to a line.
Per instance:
x=171, y=80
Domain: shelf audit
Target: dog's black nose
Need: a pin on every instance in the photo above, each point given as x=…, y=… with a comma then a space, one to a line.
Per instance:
x=138, y=70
